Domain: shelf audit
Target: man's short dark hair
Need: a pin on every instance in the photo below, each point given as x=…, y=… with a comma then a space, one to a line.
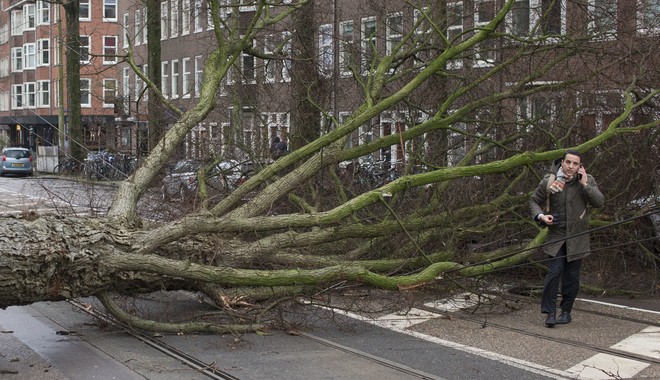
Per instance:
x=574, y=153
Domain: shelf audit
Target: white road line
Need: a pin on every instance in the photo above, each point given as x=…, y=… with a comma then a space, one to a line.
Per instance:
x=619, y=306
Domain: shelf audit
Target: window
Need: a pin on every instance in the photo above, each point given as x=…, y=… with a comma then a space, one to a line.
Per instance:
x=145, y=39
x=394, y=31
x=43, y=13
x=164, y=25
x=109, y=49
x=29, y=56
x=484, y=13
x=126, y=85
x=269, y=64
x=85, y=49
x=17, y=59
x=85, y=95
x=286, y=63
x=346, y=47
x=138, y=27
x=186, y=78
x=84, y=10
x=185, y=18
x=174, y=18
x=550, y=15
x=247, y=68
x=456, y=144
x=326, y=49
x=109, y=10
x=29, y=17
x=109, y=92
x=17, y=23
x=602, y=17
x=455, y=29
x=648, y=14
x=43, y=93
x=368, y=42
x=518, y=18
x=197, y=16
x=43, y=52
x=424, y=43
x=175, y=79
x=16, y=96
x=199, y=74
x=30, y=95
x=209, y=18
x=126, y=30
x=165, y=78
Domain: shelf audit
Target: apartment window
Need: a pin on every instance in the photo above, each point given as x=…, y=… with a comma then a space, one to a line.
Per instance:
x=269, y=64
x=199, y=74
x=85, y=49
x=17, y=59
x=109, y=92
x=648, y=14
x=43, y=13
x=126, y=83
x=17, y=23
x=551, y=15
x=85, y=94
x=424, y=43
x=84, y=10
x=455, y=29
x=43, y=52
x=29, y=56
x=368, y=42
x=394, y=30
x=16, y=96
x=484, y=13
x=518, y=19
x=209, y=18
x=346, y=47
x=456, y=144
x=43, y=93
x=29, y=17
x=109, y=49
x=144, y=95
x=109, y=10
x=186, y=77
x=138, y=27
x=174, y=18
x=603, y=17
x=175, y=79
x=5, y=67
x=286, y=63
x=5, y=103
x=185, y=18
x=30, y=95
x=164, y=24
x=197, y=16
x=248, y=68
x=125, y=29
x=165, y=78
x=326, y=49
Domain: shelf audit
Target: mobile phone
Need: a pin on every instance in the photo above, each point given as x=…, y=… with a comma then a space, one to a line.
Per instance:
x=579, y=176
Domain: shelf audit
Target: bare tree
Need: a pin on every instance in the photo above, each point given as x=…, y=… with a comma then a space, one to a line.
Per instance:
x=469, y=152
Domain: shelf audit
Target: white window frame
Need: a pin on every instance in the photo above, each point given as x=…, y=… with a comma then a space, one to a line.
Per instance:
x=393, y=36
x=269, y=64
x=185, y=17
x=16, y=20
x=536, y=10
x=513, y=23
x=199, y=75
x=186, y=76
x=165, y=78
x=43, y=52
x=285, y=73
x=249, y=72
x=174, y=88
x=110, y=52
x=85, y=48
x=29, y=17
x=346, y=47
x=367, y=41
x=110, y=6
x=17, y=59
x=164, y=22
x=455, y=29
x=43, y=93
x=603, y=15
x=43, y=12
x=326, y=50
x=174, y=18
x=648, y=15
x=29, y=56
x=30, y=95
x=16, y=96
x=126, y=83
x=484, y=55
x=197, y=17
x=85, y=92
x=107, y=89
x=85, y=10
x=138, y=27
x=126, y=29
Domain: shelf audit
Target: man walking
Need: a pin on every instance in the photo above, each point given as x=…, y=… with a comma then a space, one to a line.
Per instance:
x=560, y=202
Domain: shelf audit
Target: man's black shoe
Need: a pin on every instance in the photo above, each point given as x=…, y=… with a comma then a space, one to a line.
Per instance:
x=550, y=320
x=564, y=318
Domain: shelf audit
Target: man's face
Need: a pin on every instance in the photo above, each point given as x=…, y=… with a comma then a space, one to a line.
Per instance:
x=570, y=165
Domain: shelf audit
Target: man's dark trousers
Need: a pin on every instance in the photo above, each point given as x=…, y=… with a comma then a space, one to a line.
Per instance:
x=569, y=274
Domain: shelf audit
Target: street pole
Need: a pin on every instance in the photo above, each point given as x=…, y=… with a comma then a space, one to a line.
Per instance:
x=60, y=71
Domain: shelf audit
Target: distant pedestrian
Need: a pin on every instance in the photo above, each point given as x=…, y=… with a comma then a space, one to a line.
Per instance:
x=278, y=148
x=560, y=202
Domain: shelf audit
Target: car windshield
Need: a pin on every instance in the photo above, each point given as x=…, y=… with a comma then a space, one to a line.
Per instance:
x=186, y=167
x=17, y=153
